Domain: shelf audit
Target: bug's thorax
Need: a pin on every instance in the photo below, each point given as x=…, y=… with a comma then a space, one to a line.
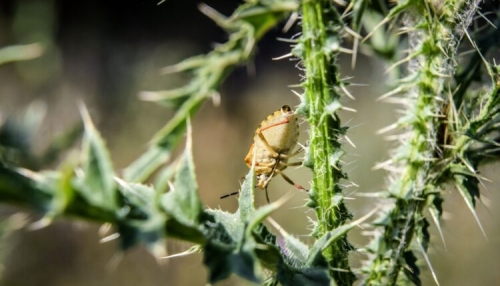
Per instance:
x=282, y=137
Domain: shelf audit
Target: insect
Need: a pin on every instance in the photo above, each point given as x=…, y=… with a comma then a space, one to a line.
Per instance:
x=272, y=146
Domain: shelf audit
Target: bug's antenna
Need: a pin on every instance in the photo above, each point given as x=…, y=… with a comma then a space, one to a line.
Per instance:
x=267, y=196
x=228, y=195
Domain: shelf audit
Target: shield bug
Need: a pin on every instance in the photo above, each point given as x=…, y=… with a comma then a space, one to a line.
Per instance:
x=273, y=144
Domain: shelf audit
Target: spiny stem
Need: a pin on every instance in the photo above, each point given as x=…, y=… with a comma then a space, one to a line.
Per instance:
x=321, y=33
x=433, y=46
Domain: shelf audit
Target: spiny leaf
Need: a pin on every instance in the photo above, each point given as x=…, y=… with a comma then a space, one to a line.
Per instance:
x=183, y=202
x=246, y=199
x=143, y=221
x=97, y=183
x=261, y=213
x=294, y=251
x=317, y=276
x=21, y=189
x=412, y=271
x=223, y=260
x=315, y=253
x=164, y=177
x=63, y=191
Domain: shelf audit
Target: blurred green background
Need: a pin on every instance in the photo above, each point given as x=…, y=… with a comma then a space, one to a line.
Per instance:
x=105, y=52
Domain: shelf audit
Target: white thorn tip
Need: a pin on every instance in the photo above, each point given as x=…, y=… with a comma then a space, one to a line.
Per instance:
x=283, y=57
x=349, y=109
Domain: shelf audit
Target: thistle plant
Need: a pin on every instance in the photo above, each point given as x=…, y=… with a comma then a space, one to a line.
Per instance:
x=318, y=46
x=448, y=129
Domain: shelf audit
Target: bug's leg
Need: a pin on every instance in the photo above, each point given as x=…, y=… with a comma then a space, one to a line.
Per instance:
x=286, y=156
x=267, y=196
x=291, y=182
x=291, y=164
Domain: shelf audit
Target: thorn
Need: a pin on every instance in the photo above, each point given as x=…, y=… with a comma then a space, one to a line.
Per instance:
x=347, y=93
x=215, y=98
x=391, y=93
x=109, y=238
x=407, y=59
x=387, y=129
x=353, y=33
x=383, y=164
x=340, y=2
x=287, y=40
x=349, y=140
x=355, y=54
x=471, y=208
x=348, y=109
x=486, y=19
x=149, y=95
x=375, y=29
x=297, y=94
x=345, y=51
x=426, y=257
x=283, y=57
x=190, y=251
x=104, y=229
x=291, y=20
x=394, y=100
x=277, y=226
x=114, y=261
x=39, y=224
x=435, y=218
x=211, y=13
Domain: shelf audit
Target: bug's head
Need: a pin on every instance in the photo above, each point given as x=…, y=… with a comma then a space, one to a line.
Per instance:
x=286, y=109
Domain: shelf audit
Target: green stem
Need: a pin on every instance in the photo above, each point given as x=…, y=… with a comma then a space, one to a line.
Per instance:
x=321, y=34
x=433, y=48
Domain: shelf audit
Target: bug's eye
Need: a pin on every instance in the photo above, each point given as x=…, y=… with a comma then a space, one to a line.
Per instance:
x=286, y=108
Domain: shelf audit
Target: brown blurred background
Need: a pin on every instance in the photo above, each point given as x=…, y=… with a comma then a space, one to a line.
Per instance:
x=105, y=52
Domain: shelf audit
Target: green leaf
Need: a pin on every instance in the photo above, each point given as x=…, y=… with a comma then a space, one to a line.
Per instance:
x=97, y=184
x=261, y=213
x=315, y=253
x=317, y=276
x=183, y=202
x=143, y=221
x=294, y=251
x=21, y=189
x=223, y=260
x=412, y=271
x=246, y=199
x=63, y=190
x=164, y=177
